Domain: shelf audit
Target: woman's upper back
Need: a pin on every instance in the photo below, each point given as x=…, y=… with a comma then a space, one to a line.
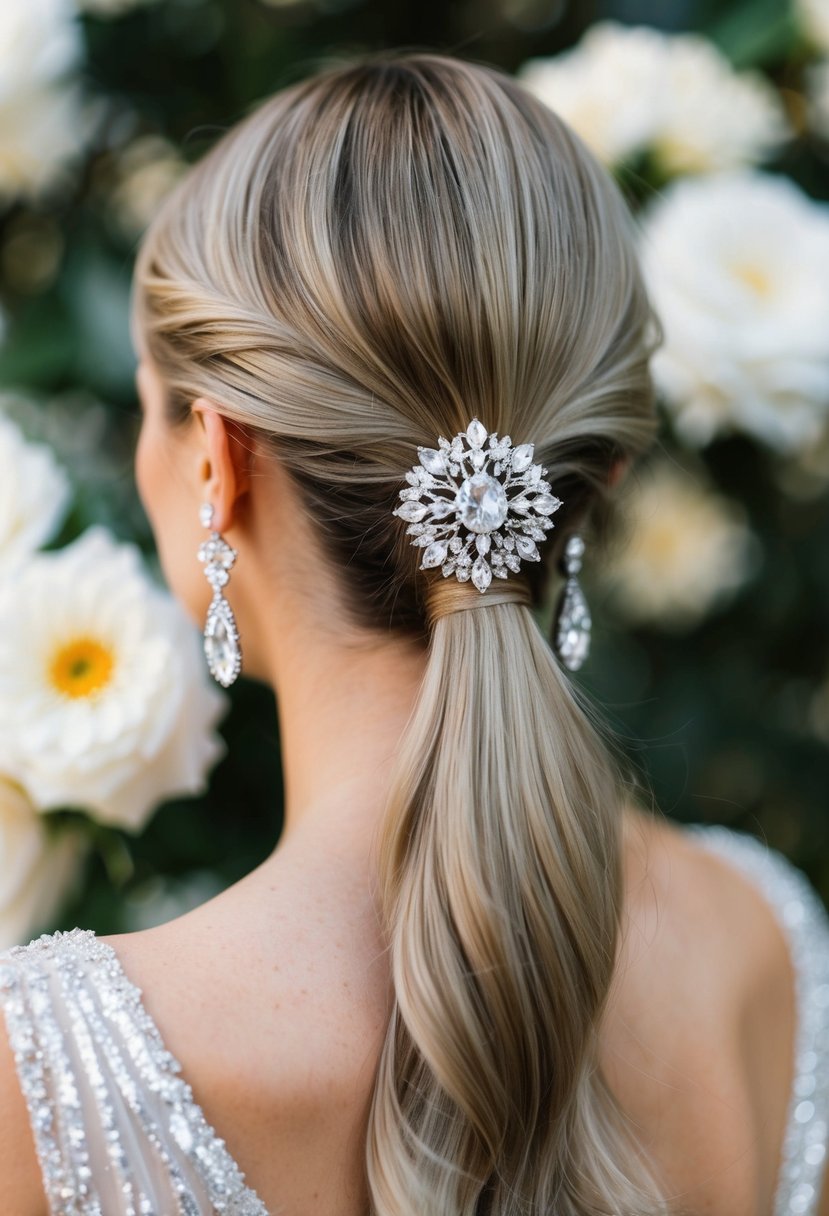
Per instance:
x=278, y=1029
x=725, y=944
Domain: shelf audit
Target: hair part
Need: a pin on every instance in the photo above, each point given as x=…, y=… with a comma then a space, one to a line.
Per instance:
x=364, y=262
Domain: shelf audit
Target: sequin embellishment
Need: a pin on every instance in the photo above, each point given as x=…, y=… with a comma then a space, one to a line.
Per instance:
x=78, y=1029
x=805, y=923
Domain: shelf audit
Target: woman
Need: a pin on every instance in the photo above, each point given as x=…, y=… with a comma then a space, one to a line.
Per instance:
x=474, y=976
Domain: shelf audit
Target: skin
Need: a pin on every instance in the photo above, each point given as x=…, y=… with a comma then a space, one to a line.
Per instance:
x=356, y=691
x=712, y=1117
x=275, y=995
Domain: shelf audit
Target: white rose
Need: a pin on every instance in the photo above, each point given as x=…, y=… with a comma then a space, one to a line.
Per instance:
x=688, y=549
x=628, y=89
x=738, y=269
x=37, y=869
x=105, y=701
x=603, y=86
x=34, y=495
x=709, y=117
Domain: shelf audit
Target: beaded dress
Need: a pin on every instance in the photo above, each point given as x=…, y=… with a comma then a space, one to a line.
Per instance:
x=116, y=1127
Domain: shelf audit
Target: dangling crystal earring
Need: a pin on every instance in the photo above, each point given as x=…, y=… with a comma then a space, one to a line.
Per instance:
x=573, y=634
x=221, y=637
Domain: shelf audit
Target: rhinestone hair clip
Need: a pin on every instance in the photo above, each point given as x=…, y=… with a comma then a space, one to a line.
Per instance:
x=477, y=492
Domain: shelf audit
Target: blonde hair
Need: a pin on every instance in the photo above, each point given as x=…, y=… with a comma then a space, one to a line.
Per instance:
x=362, y=263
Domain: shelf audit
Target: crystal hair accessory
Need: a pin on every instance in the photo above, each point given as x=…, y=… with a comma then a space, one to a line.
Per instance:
x=574, y=623
x=221, y=637
x=477, y=493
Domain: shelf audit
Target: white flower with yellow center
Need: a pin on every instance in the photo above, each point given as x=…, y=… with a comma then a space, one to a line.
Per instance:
x=738, y=269
x=687, y=549
x=37, y=868
x=105, y=704
x=629, y=89
x=34, y=495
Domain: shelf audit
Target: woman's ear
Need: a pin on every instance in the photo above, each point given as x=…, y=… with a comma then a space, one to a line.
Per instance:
x=223, y=462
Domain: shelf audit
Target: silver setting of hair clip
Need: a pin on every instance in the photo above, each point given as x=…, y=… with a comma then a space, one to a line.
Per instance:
x=477, y=505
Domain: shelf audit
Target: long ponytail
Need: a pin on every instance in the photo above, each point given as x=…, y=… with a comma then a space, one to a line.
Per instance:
x=502, y=889
x=371, y=258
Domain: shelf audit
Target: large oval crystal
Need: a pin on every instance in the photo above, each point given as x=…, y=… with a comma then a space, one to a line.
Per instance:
x=481, y=503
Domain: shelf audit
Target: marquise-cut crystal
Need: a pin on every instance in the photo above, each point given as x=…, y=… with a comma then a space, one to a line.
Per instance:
x=527, y=548
x=476, y=433
x=481, y=503
x=522, y=457
x=547, y=503
x=432, y=460
x=221, y=642
x=411, y=511
x=435, y=554
x=481, y=574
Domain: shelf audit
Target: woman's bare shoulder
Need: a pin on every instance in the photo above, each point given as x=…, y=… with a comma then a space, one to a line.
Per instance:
x=21, y=1185
x=698, y=1039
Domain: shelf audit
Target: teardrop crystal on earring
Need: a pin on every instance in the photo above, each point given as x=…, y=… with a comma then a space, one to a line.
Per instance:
x=574, y=622
x=222, y=647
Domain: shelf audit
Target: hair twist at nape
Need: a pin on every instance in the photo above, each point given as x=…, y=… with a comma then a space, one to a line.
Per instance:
x=447, y=595
x=369, y=257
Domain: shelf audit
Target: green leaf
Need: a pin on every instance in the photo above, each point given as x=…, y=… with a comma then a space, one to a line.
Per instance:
x=756, y=32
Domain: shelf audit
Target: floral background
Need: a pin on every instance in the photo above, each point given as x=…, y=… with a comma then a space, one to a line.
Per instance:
x=131, y=786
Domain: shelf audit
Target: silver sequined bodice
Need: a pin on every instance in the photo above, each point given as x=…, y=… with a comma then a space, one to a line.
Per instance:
x=118, y=1132
x=115, y=1125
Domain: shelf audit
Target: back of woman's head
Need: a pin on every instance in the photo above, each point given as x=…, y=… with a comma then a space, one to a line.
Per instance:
x=368, y=260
